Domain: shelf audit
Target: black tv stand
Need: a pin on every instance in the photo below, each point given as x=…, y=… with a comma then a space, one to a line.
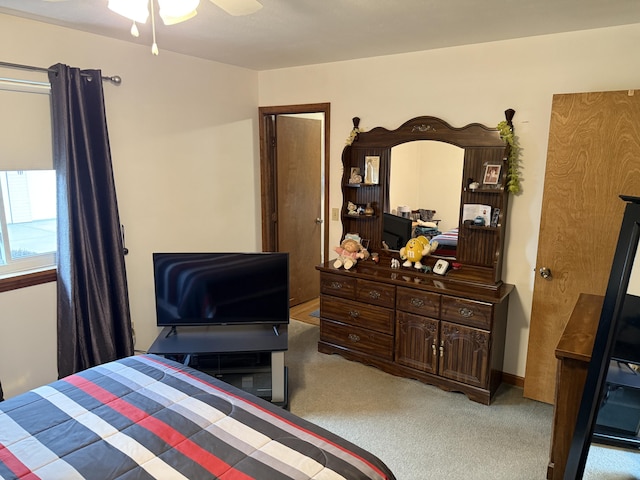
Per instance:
x=172, y=331
x=250, y=357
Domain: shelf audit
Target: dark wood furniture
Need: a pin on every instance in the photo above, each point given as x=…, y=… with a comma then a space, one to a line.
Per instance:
x=479, y=247
x=617, y=340
x=574, y=354
x=250, y=357
x=446, y=330
x=416, y=326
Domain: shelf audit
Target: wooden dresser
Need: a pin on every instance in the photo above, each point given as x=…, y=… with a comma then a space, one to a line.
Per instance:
x=425, y=327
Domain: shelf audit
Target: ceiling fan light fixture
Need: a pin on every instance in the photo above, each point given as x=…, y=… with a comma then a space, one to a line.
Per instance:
x=134, y=30
x=176, y=11
x=136, y=10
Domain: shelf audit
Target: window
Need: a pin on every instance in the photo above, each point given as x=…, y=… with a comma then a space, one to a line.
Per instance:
x=27, y=220
x=27, y=180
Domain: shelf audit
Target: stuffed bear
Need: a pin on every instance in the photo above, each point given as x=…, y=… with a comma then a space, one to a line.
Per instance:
x=415, y=250
x=350, y=251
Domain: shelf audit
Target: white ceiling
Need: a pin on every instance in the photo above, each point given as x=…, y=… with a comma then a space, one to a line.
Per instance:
x=286, y=33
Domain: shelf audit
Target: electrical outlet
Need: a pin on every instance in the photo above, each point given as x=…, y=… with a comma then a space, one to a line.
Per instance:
x=335, y=214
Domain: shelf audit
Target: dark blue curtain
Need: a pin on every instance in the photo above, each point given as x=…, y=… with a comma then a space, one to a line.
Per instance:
x=94, y=322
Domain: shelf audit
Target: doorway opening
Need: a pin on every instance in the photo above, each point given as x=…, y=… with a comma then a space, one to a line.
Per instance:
x=294, y=172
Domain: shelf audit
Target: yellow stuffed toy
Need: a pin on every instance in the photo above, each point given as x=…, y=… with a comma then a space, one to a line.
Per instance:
x=415, y=250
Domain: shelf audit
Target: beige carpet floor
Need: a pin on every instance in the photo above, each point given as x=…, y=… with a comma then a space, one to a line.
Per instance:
x=418, y=430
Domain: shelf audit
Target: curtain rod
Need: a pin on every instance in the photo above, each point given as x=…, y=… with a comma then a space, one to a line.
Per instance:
x=115, y=79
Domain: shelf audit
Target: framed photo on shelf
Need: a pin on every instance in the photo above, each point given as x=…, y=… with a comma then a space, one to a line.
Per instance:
x=492, y=174
x=354, y=175
x=371, y=170
x=495, y=217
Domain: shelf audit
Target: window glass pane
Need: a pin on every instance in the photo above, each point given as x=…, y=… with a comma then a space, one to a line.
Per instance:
x=28, y=219
x=28, y=237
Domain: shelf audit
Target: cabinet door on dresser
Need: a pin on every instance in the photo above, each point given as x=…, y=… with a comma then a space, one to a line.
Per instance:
x=417, y=342
x=464, y=354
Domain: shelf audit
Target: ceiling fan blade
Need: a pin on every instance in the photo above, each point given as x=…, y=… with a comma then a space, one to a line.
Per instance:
x=238, y=7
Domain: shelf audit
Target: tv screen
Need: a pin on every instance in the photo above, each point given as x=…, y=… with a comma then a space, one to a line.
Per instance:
x=396, y=231
x=221, y=288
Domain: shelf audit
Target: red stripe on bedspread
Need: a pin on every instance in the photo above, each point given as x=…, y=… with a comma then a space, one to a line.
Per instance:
x=175, y=439
x=18, y=468
x=272, y=414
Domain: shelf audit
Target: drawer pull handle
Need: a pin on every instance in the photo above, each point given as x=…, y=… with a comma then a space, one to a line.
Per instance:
x=354, y=338
x=374, y=294
x=354, y=313
x=417, y=302
x=336, y=285
x=465, y=312
x=442, y=348
x=434, y=348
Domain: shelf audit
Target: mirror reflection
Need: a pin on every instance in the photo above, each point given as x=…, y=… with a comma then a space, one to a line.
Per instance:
x=424, y=185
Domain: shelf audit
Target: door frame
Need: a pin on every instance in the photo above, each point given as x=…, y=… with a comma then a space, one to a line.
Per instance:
x=268, y=198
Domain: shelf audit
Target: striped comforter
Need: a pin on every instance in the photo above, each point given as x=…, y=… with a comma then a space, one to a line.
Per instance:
x=145, y=417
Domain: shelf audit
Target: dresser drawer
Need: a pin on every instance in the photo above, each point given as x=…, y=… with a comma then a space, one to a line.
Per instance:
x=376, y=293
x=338, y=285
x=467, y=312
x=357, y=338
x=418, y=302
x=359, y=314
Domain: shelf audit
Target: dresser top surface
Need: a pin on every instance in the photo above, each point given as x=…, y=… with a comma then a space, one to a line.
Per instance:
x=407, y=277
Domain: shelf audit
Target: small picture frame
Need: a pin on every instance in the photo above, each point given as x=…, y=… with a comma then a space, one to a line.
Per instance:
x=371, y=170
x=492, y=174
x=354, y=175
x=495, y=217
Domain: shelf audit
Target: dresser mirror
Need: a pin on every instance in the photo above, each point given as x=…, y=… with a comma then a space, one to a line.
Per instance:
x=427, y=175
x=477, y=247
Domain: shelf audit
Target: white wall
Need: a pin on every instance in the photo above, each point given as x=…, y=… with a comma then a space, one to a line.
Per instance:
x=468, y=84
x=183, y=134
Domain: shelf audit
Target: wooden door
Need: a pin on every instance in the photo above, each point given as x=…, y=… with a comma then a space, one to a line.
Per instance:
x=299, y=202
x=593, y=157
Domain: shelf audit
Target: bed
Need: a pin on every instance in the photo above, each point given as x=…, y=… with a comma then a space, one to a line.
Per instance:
x=447, y=243
x=147, y=417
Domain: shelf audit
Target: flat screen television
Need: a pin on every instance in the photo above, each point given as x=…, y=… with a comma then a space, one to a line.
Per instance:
x=221, y=288
x=396, y=231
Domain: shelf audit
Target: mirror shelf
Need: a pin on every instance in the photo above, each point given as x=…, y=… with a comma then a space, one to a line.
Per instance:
x=479, y=249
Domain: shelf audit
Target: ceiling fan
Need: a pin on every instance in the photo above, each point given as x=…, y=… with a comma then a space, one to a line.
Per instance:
x=232, y=7
x=173, y=11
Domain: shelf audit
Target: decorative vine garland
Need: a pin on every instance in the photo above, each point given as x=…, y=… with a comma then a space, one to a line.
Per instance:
x=506, y=133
